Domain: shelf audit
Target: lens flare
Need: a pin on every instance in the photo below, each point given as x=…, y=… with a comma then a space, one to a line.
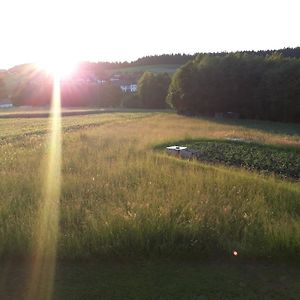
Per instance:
x=45, y=248
x=58, y=67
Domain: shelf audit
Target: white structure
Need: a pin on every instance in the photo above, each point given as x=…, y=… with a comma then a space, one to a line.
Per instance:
x=175, y=149
x=183, y=152
x=5, y=104
x=101, y=81
x=129, y=88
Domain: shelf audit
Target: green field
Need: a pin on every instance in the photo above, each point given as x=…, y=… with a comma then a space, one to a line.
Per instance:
x=121, y=200
x=171, y=69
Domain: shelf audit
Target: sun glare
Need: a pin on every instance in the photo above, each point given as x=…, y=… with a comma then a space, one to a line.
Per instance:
x=57, y=67
x=40, y=282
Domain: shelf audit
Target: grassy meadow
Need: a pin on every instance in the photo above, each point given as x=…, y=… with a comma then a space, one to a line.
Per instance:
x=122, y=198
x=171, y=69
x=135, y=223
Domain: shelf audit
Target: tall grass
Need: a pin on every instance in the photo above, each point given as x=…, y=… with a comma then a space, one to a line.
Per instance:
x=121, y=198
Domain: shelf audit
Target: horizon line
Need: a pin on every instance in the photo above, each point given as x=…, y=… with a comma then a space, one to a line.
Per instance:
x=151, y=55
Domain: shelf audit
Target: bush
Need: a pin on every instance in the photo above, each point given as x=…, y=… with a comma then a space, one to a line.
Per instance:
x=132, y=101
x=110, y=96
x=153, y=89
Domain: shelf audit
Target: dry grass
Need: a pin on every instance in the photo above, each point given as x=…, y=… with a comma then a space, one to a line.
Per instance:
x=119, y=197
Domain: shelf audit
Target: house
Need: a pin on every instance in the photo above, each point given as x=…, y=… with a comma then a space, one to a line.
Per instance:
x=129, y=88
x=6, y=103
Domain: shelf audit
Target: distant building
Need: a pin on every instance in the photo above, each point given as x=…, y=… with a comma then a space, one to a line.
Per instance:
x=6, y=103
x=101, y=81
x=129, y=88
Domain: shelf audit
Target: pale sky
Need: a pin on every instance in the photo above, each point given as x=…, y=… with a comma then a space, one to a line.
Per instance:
x=43, y=30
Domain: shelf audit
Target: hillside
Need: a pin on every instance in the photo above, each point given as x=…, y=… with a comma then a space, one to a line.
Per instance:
x=170, y=69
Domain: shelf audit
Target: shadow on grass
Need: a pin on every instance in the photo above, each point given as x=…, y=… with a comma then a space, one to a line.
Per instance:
x=164, y=280
x=76, y=112
x=264, y=126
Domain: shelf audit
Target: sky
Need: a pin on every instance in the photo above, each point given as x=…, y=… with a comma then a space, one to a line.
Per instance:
x=118, y=30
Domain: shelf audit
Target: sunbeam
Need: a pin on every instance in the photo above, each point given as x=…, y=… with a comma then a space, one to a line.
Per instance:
x=45, y=247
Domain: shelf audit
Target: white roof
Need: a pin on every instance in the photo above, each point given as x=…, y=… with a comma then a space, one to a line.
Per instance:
x=176, y=148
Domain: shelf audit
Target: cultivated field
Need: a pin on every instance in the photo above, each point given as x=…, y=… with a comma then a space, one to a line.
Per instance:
x=121, y=199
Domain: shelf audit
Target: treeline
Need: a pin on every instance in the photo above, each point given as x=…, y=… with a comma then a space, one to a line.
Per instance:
x=164, y=59
x=151, y=94
x=181, y=59
x=246, y=85
x=99, y=69
x=285, y=52
x=34, y=88
x=103, y=70
x=72, y=94
x=256, y=85
x=177, y=59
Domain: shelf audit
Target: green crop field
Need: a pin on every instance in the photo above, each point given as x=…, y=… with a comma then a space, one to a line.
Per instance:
x=283, y=161
x=123, y=202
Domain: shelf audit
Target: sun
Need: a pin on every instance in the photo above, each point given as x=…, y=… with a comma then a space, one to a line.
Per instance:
x=58, y=67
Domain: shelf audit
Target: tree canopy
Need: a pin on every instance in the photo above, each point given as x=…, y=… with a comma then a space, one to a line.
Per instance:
x=260, y=87
x=153, y=89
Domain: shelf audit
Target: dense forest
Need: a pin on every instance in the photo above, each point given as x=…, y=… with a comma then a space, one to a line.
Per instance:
x=180, y=59
x=240, y=85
